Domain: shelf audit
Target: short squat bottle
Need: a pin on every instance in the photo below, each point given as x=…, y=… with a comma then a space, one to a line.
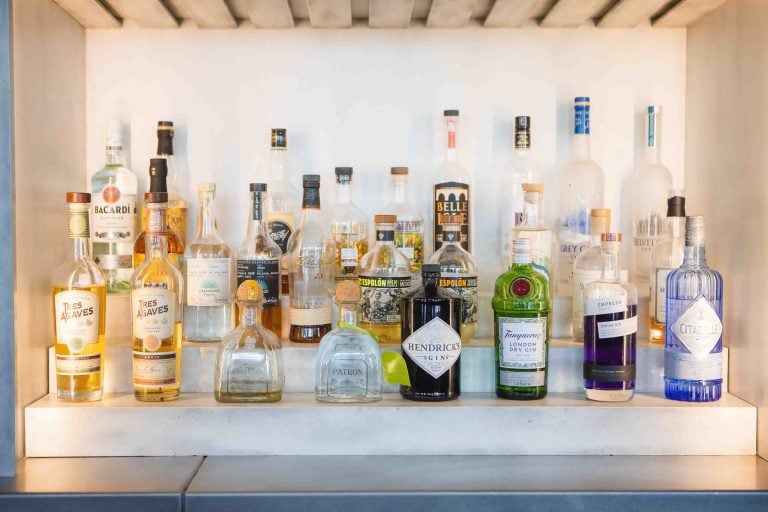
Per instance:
x=348, y=364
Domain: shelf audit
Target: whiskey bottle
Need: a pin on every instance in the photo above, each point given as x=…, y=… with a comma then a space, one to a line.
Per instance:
x=531, y=227
x=452, y=190
x=409, y=228
x=157, y=307
x=349, y=228
x=431, y=323
x=79, y=310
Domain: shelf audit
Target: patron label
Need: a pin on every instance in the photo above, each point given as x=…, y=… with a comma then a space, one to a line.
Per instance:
x=381, y=298
x=659, y=295
x=348, y=377
x=280, y=230
x=451, y=200
x=264, y=272
x=248, y=374
x=208, y=281
x=467, y=288
x=522, y=343
x=699, y=328
x=617, y=328
x=154, y=316
x=114, y=215
x=683, y=366
x=77, y=319
x=154, y=370
x=78, y=365
x=435, y=347
x=605, y=305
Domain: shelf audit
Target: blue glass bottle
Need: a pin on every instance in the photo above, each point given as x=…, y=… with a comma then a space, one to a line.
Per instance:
x=693, y=362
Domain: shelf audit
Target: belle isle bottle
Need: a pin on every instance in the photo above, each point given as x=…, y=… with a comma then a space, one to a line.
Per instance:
x=451, y=194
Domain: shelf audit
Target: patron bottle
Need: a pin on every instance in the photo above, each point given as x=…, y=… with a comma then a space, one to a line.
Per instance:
x=409, y=228
x=349, y=228
x=532, y=228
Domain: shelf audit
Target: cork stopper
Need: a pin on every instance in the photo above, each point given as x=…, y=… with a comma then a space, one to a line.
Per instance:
x=600, y=221
x=78, y=197
x=250, y=290
x=398, y=171
x=610, y=242
x=156, y=197
x=533, y=187
x=694, y=231
x=203, y=188
x=385, y=219
x=348, y=291
x=600, y=212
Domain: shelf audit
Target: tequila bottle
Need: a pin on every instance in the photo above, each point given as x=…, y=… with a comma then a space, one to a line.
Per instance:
x=693, y=353
x=349, y=228
x=385, y=276
x=114, y=229
x=79, y=310
x=531, y=228
x=157, y=307
x=208, y=274
x=409, y=228
x=249, y=364
x=522, y=317
x=348, y=364
x=451, y=193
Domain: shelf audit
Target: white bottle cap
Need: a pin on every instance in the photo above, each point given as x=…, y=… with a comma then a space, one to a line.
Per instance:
x=114, y=133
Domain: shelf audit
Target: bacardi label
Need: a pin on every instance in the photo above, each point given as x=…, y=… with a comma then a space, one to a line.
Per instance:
x=208, y=281
x=381, y=298
x=77, y=319
x=522, y=343
x=699, y=328
x=266, y=273
x=154, y=316
x=467, y=288
x=434, y=347
x=451, y=200
x=155, y=369
x=114, y=215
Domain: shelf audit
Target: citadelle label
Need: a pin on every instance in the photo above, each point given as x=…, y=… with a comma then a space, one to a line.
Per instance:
x=699, y=328
x=605, y=305
x=77, y=319
x=381, y=298
x=114, y=215
x=522, y=343
x=78, y=365
x=467, y=288
x=347, y=377
x=280, y=231
x=451, y=199
x=156, y=369
x=208, y=281
x=435, y=347
x=266, y=273
x=153, y=316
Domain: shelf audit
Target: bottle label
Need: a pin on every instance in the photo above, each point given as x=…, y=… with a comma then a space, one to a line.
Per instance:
x=435, y=347
x=467, y=288
x=114, y=215
x=581, y=120
x=522, y=343
x=610, y=373
x=114, y=261
x=78, y=365
x=156, y=369
x=605, y=305
x=409, y=238
x=699, y=328
x=643, y=247
x=208, y=281
x=78, y=223
x=617, y=328
x=320, y=315
x=154, y=316
x=566, y=256
x=451, y=199
x=381, y=298
x=266, y=273
x=659, y=296
x=248, y=374
x=77, y=319
x=177, y=221
x=684, y=366
x=349, y=256
x=345, y=376
x=522, y=379
x=280, y=231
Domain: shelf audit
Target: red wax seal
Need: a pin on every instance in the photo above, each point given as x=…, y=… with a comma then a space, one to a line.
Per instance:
x=521, y=287
x=111, y=194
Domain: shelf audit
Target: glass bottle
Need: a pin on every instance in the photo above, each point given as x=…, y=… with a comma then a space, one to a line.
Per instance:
x=115, y=208
x=610, y=330
x=259, y=259
x=542, y=238
x=693, y=353
x=649, y=185
x=79, y=310
x=385, y=276
x=431, y=324
x=452, y=189
x=249, y=364
x=667, y=256
x=349, y=228
x=348, y=366
x=458, y=273
x=581, y=188
x=208, y=274
x=157, y=308
x=311, y=254
x=409, y=228
x=523, y=323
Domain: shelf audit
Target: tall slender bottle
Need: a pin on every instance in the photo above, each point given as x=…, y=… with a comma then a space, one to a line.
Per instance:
x=79, y=310
x=532, y=228
x=115, y=208
x=693, y=353
x=177, y=204
x=451, y=193
x=409, y=228
x=349, y=228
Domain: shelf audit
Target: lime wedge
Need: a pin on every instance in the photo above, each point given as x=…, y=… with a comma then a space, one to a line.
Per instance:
x=358, y=329
x=395, y=369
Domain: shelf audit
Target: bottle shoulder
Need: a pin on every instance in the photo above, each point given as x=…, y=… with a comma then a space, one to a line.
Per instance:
x=253, y=337
x=118, y=175
x=78, y=274
x=258, y=247
x=348, y=213
x=385, y=259
x=454, y=259
x=357, y=341
x=605, y=289
x=440, y=295
x=207, y=248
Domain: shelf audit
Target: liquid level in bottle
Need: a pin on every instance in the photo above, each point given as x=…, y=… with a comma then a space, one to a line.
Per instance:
x=308, y=333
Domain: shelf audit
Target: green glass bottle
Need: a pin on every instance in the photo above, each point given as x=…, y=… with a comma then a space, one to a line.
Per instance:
x=522, y=320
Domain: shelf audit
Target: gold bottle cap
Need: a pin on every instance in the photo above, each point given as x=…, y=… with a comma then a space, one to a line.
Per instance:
x=399, y=170
x=600, y=212
x=348, y=291
x=385, y=219
x=78, y=197
x=250, y=290
x=533, y=187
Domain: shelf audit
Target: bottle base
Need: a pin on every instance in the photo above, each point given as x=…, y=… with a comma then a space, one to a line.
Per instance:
x=92, y=396
x=248, y=398
x=336, y=399
x=610, y=395
x=693, y=390
x=521, y=395
x=308, y=333
x=423, y=397
x=156, y=396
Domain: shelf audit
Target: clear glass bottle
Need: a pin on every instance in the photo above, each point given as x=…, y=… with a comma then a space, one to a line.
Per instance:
x=259, y=259
x=531, y=228
x=451, y=192
x=649, y=186
x=79, y=309
x=349, y=228
x=348, y=366
x=522, y=316
x=582, y=187
x=693, y=353
x=385, y=276
x=409, y=228
x=667, y=256
x=115, y=208
x=311, y=253
x=610, y=330
x=249, y=363
x=208, y=273
x=157, y=308
x=458, y=273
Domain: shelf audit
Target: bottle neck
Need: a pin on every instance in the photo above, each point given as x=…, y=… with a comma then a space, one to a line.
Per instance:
x=348, y=313
x=79, y=231
x=311, y=199
x=385, y=234
x=532, y=209
x=400, y=184
x=652, y=138
x=695, y=256
x=256, y=224
x=277, y=164
x=164, y=144
x=157, y=231
x=521, y=258
x=581, y=147
x=598, y=226
x=343, y=192
x=450, y=153
x=206, y=218
x=430, y=286
x=610, y=266
x=676, y=227
x=652, y=155
x=158, y=184
x=250, y=314
x=115, y=156
x=451, y=235
x=309, y=214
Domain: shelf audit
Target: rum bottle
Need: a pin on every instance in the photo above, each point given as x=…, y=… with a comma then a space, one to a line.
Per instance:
x=409, y=228
x=349, y=228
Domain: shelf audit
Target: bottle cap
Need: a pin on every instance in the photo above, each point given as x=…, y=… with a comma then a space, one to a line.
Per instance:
x=610, y=242
x=398, y=170
x=533, y=187
x=522, y=123
x=249, y=290
x=158, y=168
x=348, y=291
x=694, y=230
x=114, y=133
x=258, y=187
x=156, y=197
x=311, y=181
x=610, y=237
x=654, y=109
x=385, y=219
x=676, y=203
x=600, y=212
x=343, y=174
x=430, y=270
x=206, y=187
x=279, y=138
x=165, y=126
x=521, y=246
x=581, y=99
x=78, y=197
x=451, y=112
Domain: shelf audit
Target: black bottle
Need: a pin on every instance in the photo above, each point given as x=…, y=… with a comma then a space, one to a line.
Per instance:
x=430, y=323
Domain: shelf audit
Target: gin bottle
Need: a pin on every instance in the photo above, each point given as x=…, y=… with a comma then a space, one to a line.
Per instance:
x=249, y=364
x=409, y=228
x=177, y=204
x=208, y=274
x=452, y=190
x=693, y=353
x=522, y=317
x=431, y=324
x=115, y=222
x=531, y=228
x=348, y=364
x=349, y=228
x=610, y=330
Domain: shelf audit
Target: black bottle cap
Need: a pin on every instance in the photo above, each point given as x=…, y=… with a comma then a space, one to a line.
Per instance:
x=311, y=181
x=343, y=171
x=676, y=206
x=430, y=270
x=523, y=123
x=156, y=197
x=164, y=124
x=450, y=112
x=258, y=187
x=158, y=168
x=279, y=138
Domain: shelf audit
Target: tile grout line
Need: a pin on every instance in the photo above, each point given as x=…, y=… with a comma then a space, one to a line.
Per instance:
x=183, y=504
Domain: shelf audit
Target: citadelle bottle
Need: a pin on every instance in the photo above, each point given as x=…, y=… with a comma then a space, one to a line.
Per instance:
x=431, y=331
x=409, y=228
x=522, y=318
x=349, y=227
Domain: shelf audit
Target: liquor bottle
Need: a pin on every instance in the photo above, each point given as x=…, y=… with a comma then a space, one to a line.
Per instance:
x=282, y=202
x=249, y=364
x=581, y=189
x=522, y=169
x=522, y=318
x=158, y=173
x=666, y=256
x=385, y=276
x=458, y=273
x=348, y=364
x=431, y=323
x=349, y=228
x=649, y=186
x=79, y=310
x=452, y=190
x=610, y=330
x=311, y=254
x=208, y=275
x=693, y=353
x=259, y=259
x=409, y=228
x=114, y=190
x=542, y=238
x=157, y=307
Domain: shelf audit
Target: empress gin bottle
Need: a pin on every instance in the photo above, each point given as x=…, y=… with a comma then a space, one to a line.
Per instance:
x=522, y=309
x=610, y=330
x=409, y=228
x=693, y=354
x=349, y=228
x=452, y=191
x=431, y=324
x=531, y=228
